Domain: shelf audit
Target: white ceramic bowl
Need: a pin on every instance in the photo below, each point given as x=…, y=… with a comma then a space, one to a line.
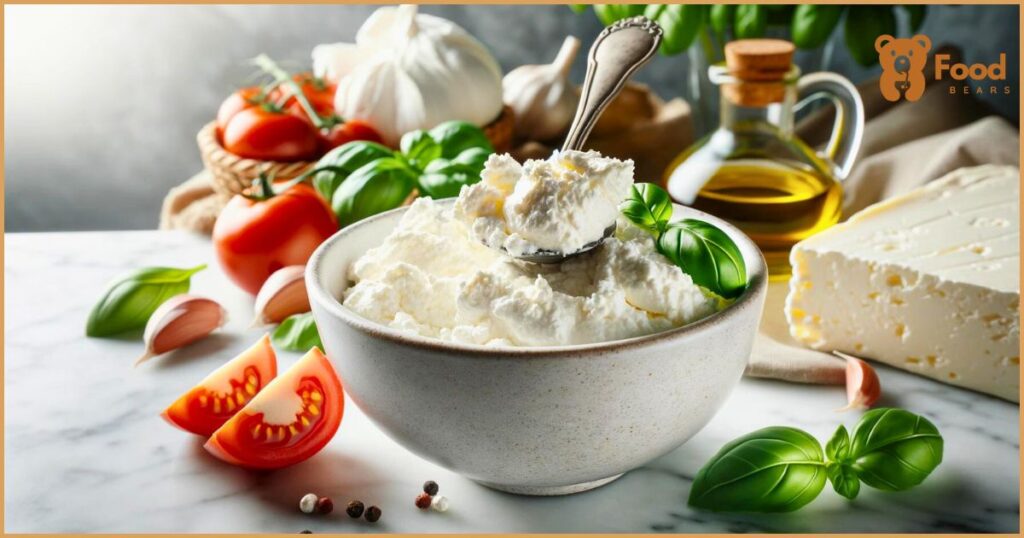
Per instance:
x=536, y=421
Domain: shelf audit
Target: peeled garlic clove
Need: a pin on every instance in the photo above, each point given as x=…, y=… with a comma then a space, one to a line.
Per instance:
x=541, y=96
x=179, y=321
x=862, y=386
x=282, y=295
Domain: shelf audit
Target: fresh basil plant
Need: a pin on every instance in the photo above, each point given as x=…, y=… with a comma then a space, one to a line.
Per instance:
x=131, y=299
x=365, y=178
x=297, y=333
x=703, y=251
x=781, y=469
x=810, y=26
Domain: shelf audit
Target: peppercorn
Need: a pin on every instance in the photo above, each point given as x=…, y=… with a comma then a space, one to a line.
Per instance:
x=324, y=505
x=354, y=509
x=305, y=531
x=439, y=503
x=308, y=503
x=423, y=501
x=430, y=488
x=372, y=514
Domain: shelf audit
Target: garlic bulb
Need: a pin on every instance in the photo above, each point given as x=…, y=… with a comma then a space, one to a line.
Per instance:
x=411, y=71
x=543, y=99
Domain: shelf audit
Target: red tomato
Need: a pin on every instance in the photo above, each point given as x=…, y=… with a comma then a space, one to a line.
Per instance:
x=235, y=103
x=347, y=132
x=258, y=133
x=288, y=421
x=208, y=405
x=255, y=237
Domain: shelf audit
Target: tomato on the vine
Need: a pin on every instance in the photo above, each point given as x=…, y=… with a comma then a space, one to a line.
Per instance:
x=235, y=103
x=347, y=132
x=261, y=231
x=318, y=92
x=259, y=132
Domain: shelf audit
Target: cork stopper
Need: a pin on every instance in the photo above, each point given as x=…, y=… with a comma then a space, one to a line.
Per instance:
x=761, y=66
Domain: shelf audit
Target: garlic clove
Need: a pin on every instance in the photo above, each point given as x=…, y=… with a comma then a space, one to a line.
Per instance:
x=282, y=295
x=542, y=98
x=862, y=386
x=179, y=321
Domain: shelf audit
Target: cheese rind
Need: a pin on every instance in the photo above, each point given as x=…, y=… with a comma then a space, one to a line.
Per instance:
x=927, y=282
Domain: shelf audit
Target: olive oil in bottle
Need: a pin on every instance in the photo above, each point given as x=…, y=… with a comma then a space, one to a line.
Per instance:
x=753, y=171
x=776, y=205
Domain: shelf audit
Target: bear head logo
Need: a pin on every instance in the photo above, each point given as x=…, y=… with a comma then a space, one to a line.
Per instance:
x=902, y=63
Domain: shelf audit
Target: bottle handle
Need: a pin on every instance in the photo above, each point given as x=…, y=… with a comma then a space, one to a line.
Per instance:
x=848, y=129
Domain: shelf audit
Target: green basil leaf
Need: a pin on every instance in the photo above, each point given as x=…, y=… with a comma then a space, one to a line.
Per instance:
x=454, y=137
x=419, y=148
x=297, y=333
x=844, y=479
x=609, y=13
x=131, y=299
x=774, y=469
x=707, y=254
x=862, y=26
x=375, y=187
x=342, y=161
x=721, y=17
x=750, y=21
x=444, y=178
x=474, y=157
x=915, y=15
x=648, y=206
x=578, y=8
x=838, y=447
x=679, y=23
x=813, y=25
x=894, y=449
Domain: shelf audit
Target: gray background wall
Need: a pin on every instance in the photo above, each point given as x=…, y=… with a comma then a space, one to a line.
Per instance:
x=102, y=103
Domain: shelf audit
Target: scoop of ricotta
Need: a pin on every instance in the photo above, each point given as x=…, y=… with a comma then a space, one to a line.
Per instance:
x=558, y=204
x=432, y=277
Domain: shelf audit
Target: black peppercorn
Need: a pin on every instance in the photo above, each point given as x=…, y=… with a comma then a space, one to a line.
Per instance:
x=354, y=509
x=324, y=505
x=306, y=531
x=372, y=514
x=430, y=488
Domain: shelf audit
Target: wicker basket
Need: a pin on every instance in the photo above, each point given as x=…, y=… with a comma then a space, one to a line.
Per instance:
x=233, y=174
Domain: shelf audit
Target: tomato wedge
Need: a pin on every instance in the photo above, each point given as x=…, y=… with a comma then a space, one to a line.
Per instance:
x=210, y=404
x=288, y=421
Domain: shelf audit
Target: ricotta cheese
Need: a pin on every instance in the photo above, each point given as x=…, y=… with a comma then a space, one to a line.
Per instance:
x=432, y=277
x=927, y=282
x=560, y=204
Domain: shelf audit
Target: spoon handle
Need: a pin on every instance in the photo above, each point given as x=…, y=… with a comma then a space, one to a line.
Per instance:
x=615, y=55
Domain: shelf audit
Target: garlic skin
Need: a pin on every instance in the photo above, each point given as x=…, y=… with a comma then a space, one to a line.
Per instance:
x=541, y=96
x=179, y=321
x=862, y=386
x=411, y=71
x=282, y=295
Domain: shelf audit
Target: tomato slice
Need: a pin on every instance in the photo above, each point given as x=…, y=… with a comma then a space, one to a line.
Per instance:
x=210, y=404
x=288, y=421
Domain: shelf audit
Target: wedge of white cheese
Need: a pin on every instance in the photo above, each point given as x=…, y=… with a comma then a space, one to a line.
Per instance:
x=928, y=281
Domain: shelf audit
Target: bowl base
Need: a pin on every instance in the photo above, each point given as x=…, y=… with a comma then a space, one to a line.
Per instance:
x=549, y=491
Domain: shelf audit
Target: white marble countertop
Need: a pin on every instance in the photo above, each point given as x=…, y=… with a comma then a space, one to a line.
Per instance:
x=87, y=452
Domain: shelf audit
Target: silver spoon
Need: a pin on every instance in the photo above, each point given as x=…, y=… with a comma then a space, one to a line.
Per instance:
x=615, y=55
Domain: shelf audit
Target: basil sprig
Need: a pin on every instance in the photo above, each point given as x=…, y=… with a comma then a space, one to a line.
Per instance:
x=297, y=333
x=703, y=251
x=131, y=299
x=365, y=178
x=781, y=469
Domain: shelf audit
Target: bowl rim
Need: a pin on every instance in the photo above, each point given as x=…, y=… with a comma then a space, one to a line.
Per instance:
x=757, y=281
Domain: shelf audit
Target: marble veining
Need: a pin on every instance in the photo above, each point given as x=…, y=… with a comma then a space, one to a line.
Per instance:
x=87, y=452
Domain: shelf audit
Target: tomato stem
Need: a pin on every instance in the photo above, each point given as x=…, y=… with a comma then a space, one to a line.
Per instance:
x=283, y=79
x=263, y=187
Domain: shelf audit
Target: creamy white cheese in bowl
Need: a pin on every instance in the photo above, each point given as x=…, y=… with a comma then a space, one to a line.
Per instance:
x=540, y=380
